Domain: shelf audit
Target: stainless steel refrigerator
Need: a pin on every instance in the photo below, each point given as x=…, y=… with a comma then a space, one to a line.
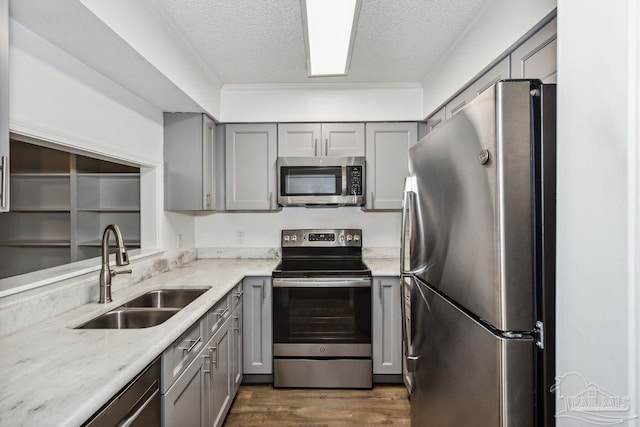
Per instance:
x=478, y=253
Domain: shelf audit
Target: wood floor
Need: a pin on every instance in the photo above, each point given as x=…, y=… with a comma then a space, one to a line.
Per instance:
x=264, y=406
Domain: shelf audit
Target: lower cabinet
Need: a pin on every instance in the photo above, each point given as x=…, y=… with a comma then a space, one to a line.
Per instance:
x=203, y=391
x=258, y=351
x=387, y=323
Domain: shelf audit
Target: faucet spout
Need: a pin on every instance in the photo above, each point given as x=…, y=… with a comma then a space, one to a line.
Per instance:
x=122, y=258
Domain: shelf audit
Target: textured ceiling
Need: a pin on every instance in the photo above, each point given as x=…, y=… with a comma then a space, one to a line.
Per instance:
x=261, y=42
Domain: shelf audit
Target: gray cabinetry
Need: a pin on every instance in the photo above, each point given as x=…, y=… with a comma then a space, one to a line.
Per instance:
x=499, y=72
x=536, y=58
x=187, y=401
x=258, y=330
x=387, y=162
x=299, y=139
x=320, y=139
x=387, y=332
x=190, y=153
x=251, y=153
x=220, y=387
x=4, y=105
x=436, y=120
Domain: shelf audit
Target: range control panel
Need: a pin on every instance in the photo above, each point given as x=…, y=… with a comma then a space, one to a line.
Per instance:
x=322, y=238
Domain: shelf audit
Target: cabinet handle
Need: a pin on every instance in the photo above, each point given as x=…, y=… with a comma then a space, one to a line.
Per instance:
x=207, y=361
x=5, y=182
x=236, y=328
x=214, y=349
x=194, y=343
x=326, y=147
x=209, y=200
x=270, y=200
x=239, y=294
x=380, y=289
x=263, y=289
x=222, y=313
x=373, y=200
x=315, y=147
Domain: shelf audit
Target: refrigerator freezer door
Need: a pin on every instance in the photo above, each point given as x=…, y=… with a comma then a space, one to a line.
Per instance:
x=465, y=375
x=472, y=214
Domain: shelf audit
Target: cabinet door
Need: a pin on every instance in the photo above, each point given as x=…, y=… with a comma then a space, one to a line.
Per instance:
x=499, y=72
x=536, y=58
x=221, y=387
x=251, y=153
x=257, y=339
x=189, y=160
x=388, y=162
x=186, y=402
x=342, y=139
x=4, y=105
x=387, y=332
x=299, y=140
x=236, y=349
x=436, y=119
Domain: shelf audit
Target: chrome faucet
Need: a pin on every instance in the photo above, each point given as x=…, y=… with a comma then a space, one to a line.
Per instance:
x=121, y=259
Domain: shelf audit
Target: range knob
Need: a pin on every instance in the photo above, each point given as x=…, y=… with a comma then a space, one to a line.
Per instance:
x=349, y=237
x=356, y=237
x=294, y=238
x=286, y=237
x=342, y=238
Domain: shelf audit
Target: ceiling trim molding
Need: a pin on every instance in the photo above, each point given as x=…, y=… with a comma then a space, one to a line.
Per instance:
x=321, y=86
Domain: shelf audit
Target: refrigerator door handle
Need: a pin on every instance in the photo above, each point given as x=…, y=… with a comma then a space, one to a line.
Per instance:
x=408, y=200
x=410, y=360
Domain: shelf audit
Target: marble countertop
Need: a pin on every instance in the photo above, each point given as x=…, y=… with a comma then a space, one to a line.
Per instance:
x=54, y=375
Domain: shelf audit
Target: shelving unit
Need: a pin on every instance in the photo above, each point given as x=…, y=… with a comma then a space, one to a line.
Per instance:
x=60, y=204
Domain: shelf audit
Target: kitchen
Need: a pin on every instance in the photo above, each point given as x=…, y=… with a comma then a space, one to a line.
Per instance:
x=589, y=198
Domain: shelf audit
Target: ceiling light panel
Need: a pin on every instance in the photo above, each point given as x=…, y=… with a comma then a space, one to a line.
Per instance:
x=330, y=27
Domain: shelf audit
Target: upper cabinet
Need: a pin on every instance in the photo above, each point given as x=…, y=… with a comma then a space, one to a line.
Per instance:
x=499, y=72
x=251, y=153
x=387, y=163
x=4, y=105
x=320, y=139
x=536, y=57
x=190, y=153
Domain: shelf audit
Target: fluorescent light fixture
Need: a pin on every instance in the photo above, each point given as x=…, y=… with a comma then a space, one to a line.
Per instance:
x=329, y=29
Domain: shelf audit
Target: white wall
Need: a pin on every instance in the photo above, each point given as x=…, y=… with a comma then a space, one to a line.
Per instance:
x=144, y=26
x=598, y=282
x=379, y=229
x=55, y=98
x=321, y=103
x=501, y=24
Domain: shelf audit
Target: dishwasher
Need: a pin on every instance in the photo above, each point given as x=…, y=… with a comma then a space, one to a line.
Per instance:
x=138, y=404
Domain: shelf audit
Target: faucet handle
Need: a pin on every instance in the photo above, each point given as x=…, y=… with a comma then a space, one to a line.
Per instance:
x=114, y=272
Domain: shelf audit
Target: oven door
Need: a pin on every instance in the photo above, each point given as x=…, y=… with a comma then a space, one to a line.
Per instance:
x=328, y=317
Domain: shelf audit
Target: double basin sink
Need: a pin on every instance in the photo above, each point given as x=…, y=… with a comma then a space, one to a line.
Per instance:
x=150, y=309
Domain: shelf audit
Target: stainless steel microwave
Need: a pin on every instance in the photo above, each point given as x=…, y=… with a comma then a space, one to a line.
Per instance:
x=321, y=181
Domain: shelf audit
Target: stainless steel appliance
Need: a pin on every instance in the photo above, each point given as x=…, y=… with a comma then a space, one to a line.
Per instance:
x=321, y=181
x=322, y=311
x=479, y=227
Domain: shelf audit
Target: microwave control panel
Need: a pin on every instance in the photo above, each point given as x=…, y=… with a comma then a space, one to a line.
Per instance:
x=354, y=180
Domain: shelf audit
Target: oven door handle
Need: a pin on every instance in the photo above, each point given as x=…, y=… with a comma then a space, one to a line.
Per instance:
x=321, y=283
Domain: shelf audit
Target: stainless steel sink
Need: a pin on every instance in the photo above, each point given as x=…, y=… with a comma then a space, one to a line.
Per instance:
x=147, y=310
x=123, y=318
x=166, y=298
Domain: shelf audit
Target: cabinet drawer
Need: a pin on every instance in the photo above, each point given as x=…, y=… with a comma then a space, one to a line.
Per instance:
x=177, y=357
x=218, y=314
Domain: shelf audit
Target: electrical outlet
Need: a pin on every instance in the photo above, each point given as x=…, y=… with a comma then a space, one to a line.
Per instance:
x=240, y=237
